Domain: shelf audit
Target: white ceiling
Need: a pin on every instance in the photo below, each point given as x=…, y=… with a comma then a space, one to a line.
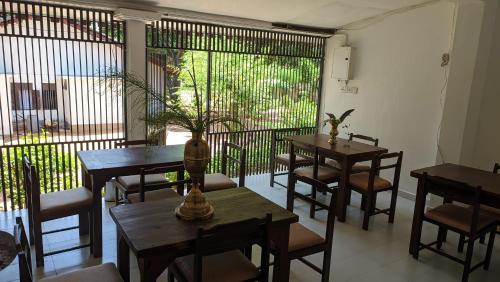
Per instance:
x=317, y=13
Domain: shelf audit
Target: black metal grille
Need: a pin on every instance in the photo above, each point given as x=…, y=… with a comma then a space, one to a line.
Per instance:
x=177, y=34
x=53, y=61
x=268, y=80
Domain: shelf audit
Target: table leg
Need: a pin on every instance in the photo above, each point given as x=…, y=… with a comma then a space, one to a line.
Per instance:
x=97, y=183
x=83, y=223
x=87, y=183
x=279, y=236
x=123, y=257
x=151, y=267
x=416, y=228
x=343, y=187
x=291, y=181
x=180, y=177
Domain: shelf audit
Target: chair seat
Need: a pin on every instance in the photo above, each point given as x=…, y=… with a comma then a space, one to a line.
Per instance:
x=155, y=195
x=131, y=183
x=302, y=238
x=355, y=168
x=360, y=180
x=63, y=203
x=325, y=174
x=104, y=272
x=299, y=160
x=218, y=181
x=228, y=266
x=458, y=217
x=492, y=212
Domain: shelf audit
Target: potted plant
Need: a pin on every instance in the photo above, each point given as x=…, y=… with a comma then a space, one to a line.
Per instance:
x=191, y=116
x=335, y=122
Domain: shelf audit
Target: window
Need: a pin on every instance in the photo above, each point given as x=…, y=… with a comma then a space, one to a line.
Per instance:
x=49, y=98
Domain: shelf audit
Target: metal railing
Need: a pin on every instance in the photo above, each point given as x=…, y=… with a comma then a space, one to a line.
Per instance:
x=53, y=102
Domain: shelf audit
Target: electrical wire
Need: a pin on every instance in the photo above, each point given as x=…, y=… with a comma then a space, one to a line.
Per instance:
x=442, y=97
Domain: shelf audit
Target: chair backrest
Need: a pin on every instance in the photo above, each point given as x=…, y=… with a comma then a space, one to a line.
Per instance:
x=496, y=168
x=144, y=186
x=23, y=252
x=32, y=187
x=128, y=143
x=377, y=167
x=233, y=236
x=278, y=136
x=234, y=155
x=454, y=191
x=365, y=138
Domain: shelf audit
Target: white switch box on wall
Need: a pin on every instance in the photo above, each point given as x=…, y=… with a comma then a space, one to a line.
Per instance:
x=341, y=63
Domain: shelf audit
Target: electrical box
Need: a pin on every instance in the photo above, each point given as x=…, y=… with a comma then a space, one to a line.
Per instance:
x=341, y=63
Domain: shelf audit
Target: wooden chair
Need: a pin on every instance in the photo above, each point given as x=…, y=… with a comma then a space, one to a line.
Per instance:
x=490, y=211
x=278, y=137
x=318, y=176
x=463, y=220
x=129, y=184
x=54, y=205
x=218, y=257
x=356, y=167
x=232, y=155
x=369, y=184
x=304, y=242
x=104, y=272
x=158, y=191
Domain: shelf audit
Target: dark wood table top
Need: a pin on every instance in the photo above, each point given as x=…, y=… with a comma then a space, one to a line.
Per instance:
x=136, y=157
x=343, y=147
x=489, y=181
x=152, y=227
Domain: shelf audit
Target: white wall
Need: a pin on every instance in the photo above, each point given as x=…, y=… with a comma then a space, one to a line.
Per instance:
x=485, y=148
x=396, y=65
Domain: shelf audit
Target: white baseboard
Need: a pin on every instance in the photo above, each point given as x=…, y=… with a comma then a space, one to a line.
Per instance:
x=407, y=195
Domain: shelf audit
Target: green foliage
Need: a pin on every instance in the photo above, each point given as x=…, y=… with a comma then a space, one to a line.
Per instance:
x=54, y=169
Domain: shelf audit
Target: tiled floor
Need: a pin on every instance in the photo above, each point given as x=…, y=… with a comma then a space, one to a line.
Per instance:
x=380, y=254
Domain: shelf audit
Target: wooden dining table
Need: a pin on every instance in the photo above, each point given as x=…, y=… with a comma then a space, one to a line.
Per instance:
x=100, y=166
x=489, y=182
x=156, y=236
x=346, y=152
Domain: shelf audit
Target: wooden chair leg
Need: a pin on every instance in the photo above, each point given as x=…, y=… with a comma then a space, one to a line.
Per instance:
x=248, y=252
x=327, y=257
x=489, y=250
x=440, y=237
x=117, y=196
x=91, y=231
x=468, y=260
x=482, y=239
x=312, y=209
x=368, y=211
x=392, y=212
x=272, y=175
x=170, y=276
x=461, y=243
x=83, y=223
x=38, y=243
x=349, y=194
x=363, y=202
x=31, y=228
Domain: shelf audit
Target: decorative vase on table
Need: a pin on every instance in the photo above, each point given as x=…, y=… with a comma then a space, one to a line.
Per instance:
x=196, y=158
x=190, y=115
x=335, y=122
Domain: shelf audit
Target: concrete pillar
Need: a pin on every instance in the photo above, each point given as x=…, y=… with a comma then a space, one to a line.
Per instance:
x=136, y=64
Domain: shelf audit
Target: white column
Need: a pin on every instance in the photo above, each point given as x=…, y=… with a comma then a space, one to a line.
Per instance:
x=136, y=64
